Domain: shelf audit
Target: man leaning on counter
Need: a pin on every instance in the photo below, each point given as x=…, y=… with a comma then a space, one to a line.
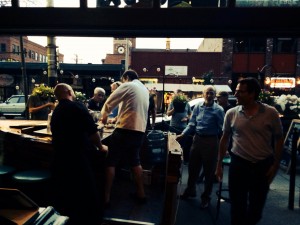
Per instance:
x=75, y=140
x=127, y=139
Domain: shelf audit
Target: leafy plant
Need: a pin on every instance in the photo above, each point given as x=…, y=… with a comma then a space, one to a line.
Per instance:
x=266, y=97
x=179, y=98
x=44, y=92
x=80, y=97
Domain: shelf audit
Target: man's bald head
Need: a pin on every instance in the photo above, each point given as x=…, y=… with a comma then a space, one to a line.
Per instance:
x=64, y=91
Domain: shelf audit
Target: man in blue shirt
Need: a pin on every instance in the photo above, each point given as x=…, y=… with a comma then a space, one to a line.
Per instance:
x=206, y=122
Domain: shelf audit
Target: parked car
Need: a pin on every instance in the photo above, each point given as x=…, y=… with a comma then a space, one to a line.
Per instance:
x=13, y=106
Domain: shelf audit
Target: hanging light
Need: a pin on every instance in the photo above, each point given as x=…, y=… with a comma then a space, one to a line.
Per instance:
x=33, y=80
x=229, y=82
x=267, y=80
x=17, y=87
x=93, y=80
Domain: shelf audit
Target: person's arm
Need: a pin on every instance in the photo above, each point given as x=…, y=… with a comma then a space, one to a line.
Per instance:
x=170, y=110
x=279, y=141
x=96, y=139
x=223, y=146
x=38, y=108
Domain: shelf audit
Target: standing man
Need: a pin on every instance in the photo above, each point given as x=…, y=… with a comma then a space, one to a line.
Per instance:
x=206, y=122
x=222, y=98
x=127, y=139
x=76, y=161
x=255, y=128
x=152, y=109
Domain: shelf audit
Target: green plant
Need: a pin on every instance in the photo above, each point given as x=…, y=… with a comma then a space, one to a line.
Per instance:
x=44, y=92
x=79, y=96
x=179, y=98
x=266, y=97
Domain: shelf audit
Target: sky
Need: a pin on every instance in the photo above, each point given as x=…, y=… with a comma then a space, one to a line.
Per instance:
x=93, y=49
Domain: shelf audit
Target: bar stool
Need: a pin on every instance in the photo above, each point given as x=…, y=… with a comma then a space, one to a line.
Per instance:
x=220, y=197
x=35, y=184
x=6, y=173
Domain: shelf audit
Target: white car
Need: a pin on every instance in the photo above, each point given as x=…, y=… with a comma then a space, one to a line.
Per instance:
x=159, y=122
x=12, y=107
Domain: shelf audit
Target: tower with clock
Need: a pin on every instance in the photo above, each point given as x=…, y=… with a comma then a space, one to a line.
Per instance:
x=121, y=44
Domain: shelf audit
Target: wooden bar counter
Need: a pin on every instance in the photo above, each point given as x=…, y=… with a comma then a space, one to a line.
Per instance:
x=26, y=144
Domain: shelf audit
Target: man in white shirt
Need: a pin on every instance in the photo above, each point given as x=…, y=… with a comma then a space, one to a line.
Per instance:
x=132, y=97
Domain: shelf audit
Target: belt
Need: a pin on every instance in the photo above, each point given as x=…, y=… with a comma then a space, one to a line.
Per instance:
x=206, y=135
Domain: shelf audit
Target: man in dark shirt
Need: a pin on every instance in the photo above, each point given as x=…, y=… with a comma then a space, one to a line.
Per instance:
x=75, y=139
x=97, y=101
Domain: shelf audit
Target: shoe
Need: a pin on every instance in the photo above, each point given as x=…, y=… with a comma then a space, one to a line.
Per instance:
x=204, y=204
x=139, y=200
x=188, y=194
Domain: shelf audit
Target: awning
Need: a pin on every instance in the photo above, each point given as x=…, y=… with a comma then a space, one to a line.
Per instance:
x=185, y=87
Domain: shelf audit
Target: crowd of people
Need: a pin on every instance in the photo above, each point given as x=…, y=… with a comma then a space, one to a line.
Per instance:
x=251, y=133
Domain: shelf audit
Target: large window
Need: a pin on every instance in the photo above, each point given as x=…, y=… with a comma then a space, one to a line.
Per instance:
x=255, y=45
x=3, y=47
x=284, y=45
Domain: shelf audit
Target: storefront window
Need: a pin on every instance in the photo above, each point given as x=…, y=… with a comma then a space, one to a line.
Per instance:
x=284, y=45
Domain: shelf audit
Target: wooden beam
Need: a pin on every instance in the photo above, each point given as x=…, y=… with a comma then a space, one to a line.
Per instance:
x=151, y=22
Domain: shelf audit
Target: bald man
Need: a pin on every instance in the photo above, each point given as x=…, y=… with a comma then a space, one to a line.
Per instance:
x=78, y=155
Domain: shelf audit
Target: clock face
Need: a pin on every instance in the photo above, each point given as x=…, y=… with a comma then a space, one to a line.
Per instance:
x=121, y=49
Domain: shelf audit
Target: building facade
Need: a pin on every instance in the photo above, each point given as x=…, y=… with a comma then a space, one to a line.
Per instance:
x=10, y=50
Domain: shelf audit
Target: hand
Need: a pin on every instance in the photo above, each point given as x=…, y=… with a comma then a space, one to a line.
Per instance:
x=179, y=137
x=103, y=148
x=271, y=173
x=103, y=120
x=219, y=172
x=184, y=119
x=51, y=105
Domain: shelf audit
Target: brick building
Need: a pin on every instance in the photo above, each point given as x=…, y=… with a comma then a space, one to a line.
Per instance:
x=10, y=50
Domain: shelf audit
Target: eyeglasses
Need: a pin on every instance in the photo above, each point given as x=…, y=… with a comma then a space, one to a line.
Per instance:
x=210, y=92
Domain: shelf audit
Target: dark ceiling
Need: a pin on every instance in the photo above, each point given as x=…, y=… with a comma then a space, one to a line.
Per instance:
x=151, y=22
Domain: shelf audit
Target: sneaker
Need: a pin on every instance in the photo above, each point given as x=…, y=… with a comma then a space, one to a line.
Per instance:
x=204, y=204
x=188, y=194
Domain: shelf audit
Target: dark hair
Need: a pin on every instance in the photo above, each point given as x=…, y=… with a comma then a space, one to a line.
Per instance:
x=252, y=86
x=130, y=75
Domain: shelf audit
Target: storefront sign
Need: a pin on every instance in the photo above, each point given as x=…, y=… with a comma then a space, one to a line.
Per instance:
x=6, y=80
x=283, y=82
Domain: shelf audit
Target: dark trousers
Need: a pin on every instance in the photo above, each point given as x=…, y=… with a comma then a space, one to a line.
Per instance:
x=248, y=189
x=204, y=153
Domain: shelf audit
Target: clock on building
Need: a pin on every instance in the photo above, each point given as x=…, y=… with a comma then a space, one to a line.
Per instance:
x=121, y=49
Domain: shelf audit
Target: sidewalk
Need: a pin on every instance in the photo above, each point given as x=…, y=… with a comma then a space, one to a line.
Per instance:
x=276, y=211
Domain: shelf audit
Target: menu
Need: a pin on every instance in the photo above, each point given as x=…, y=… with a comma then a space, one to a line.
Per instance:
x=287, y=147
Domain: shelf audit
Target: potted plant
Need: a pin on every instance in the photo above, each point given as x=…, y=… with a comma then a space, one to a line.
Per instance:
x=179, y=103
x=44, y=92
